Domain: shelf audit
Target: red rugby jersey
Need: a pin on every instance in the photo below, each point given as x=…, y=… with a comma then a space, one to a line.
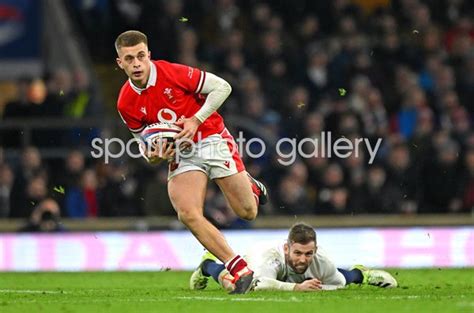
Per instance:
x=172, y=92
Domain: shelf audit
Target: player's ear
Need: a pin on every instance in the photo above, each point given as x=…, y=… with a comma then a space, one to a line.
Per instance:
x=149, y=55
x=286, y=248
x=119, y=63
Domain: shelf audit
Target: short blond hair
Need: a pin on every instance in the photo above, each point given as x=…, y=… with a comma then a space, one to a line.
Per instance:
x=130, y=38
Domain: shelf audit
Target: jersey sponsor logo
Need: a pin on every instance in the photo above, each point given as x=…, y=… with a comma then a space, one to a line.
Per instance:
x=167, y=116
x=227, y=164
x=143, y=110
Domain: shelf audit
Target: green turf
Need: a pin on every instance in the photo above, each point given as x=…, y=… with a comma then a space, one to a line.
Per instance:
x=437, y=290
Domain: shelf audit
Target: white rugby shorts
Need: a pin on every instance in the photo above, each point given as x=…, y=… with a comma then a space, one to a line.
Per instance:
x=216, y=155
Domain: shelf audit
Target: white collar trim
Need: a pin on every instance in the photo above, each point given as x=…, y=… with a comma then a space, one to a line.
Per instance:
x=151, y=80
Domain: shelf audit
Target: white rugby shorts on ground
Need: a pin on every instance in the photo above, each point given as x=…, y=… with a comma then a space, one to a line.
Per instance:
x=217, y=156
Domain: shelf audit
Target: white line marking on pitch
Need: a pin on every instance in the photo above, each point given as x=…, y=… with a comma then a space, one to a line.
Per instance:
x=465, y=304
x=29, y=291
x=239, y=299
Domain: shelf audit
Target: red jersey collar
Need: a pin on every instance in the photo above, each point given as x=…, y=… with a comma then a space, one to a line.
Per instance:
x=151, y=80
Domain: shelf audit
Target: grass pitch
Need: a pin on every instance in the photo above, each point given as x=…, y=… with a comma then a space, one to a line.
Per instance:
x=435, y=290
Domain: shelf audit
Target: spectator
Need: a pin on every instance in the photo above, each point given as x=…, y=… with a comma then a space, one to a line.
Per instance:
x=295, y=111
x=83, y=202
x=6, y=184
x=73, y=169
x=29, y=102
x=317, y=73
x=60, y=92
x=120, y=192
x=45, y=218
x=403, y=178
x=379, y=196
x=36, y=190
x=21, y=106
x=31, y=178
x=84, y=102
x=333, y=195
x=420, y=144
x=412, y=104
x=292, y=198
x=468, y=192
x=442, y=186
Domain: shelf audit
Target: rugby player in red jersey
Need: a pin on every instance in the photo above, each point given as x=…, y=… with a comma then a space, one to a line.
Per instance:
x=159, y=91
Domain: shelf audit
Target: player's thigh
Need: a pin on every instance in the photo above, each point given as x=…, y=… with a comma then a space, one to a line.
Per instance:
x=187, y=192
x=238, y=191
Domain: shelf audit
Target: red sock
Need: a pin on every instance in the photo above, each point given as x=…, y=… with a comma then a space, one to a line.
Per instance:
x=235, y=265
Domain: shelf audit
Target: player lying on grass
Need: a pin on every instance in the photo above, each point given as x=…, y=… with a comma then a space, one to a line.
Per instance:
x=298, y=264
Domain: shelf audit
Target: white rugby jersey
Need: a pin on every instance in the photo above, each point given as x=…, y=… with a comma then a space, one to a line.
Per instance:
x=267, y=260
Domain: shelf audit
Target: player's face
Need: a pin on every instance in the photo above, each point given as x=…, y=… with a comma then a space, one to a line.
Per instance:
x=135, y=61
x=299, y=256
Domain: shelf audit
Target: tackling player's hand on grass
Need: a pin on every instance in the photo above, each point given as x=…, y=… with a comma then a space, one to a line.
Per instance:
x=161, y=150
x=309, y=285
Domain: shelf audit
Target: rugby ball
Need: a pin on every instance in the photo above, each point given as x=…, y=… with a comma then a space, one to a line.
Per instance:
x=158, y=131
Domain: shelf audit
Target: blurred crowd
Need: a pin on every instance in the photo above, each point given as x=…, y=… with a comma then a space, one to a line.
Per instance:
x=398, y=70
x=63, y=93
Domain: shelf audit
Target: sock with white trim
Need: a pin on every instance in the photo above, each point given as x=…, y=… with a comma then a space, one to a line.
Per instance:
x=236, y=265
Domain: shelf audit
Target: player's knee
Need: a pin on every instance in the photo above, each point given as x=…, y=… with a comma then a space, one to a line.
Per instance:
x=250, y=216
x=189, y=216
x=249, y=212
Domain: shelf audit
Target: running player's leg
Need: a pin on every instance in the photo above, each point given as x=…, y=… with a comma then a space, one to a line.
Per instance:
x=238, y=192
x=243, y=193
x=187, y=192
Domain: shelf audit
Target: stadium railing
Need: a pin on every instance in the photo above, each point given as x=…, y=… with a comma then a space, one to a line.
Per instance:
x=262, y=222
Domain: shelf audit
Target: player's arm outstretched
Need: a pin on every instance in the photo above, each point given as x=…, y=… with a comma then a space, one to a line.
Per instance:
x=265, y=283
x=267, y=280
x=267, y=272
x=267, y=275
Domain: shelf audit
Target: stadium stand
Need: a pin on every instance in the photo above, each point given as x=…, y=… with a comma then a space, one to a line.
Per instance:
x=401, y=71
